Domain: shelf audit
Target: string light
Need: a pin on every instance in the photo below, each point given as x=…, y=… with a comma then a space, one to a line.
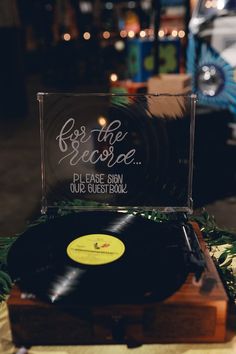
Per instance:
x=161, y=33
x=67, y=37
x=102, y=121
x=123, y=34
x=142, y=34
x=113, y=77
x=131, y=34
x=181, y=34
x=106, y=35
x=174, y=33
x=87, y=36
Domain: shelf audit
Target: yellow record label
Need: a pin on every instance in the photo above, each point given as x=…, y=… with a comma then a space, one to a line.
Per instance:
x=95, y=249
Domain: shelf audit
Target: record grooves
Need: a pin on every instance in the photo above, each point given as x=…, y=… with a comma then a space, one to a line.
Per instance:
x=136, y=260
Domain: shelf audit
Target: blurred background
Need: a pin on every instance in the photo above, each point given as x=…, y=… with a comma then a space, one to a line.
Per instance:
x=175, y=46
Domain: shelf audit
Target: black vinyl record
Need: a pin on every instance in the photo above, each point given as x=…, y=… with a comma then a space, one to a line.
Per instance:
x=99, y=257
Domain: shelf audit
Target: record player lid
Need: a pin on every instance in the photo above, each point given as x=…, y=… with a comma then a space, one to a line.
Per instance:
x=117, y=151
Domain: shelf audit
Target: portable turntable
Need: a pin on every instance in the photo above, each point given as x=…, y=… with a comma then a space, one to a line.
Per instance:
x=102, y=272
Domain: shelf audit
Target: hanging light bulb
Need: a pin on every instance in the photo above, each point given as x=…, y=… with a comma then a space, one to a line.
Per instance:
x=113, y=77
x=142, y=34
x=106, y=35
x=87, y=36
x=131, y=34
x=66, y=37
x=174, y=33
x=123, y=33
x=181, y=34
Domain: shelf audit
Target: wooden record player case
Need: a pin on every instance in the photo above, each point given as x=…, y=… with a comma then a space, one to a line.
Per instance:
x=195, y=313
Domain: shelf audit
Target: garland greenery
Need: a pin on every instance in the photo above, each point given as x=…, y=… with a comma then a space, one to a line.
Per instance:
x=5, y=280
x=214, y=236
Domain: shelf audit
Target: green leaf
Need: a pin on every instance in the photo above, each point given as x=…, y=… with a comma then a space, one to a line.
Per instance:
x=222, y=257
x=228, y=263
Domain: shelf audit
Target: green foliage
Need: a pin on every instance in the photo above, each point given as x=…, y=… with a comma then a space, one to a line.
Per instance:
x=153, y=215
x=68, y=207
x=5, y=280
x=214, y=237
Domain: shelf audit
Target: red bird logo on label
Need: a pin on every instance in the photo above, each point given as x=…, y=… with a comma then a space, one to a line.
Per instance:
x=104, y=245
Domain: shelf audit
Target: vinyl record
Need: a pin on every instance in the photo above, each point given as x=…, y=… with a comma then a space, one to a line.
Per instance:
x=99, y=257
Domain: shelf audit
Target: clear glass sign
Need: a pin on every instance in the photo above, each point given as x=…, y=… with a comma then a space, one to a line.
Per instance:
x=121, y=151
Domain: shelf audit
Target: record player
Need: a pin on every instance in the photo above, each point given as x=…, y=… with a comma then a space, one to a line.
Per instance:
x=123, y=264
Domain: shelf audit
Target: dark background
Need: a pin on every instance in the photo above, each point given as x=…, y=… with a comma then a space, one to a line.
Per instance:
x=36, y=57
